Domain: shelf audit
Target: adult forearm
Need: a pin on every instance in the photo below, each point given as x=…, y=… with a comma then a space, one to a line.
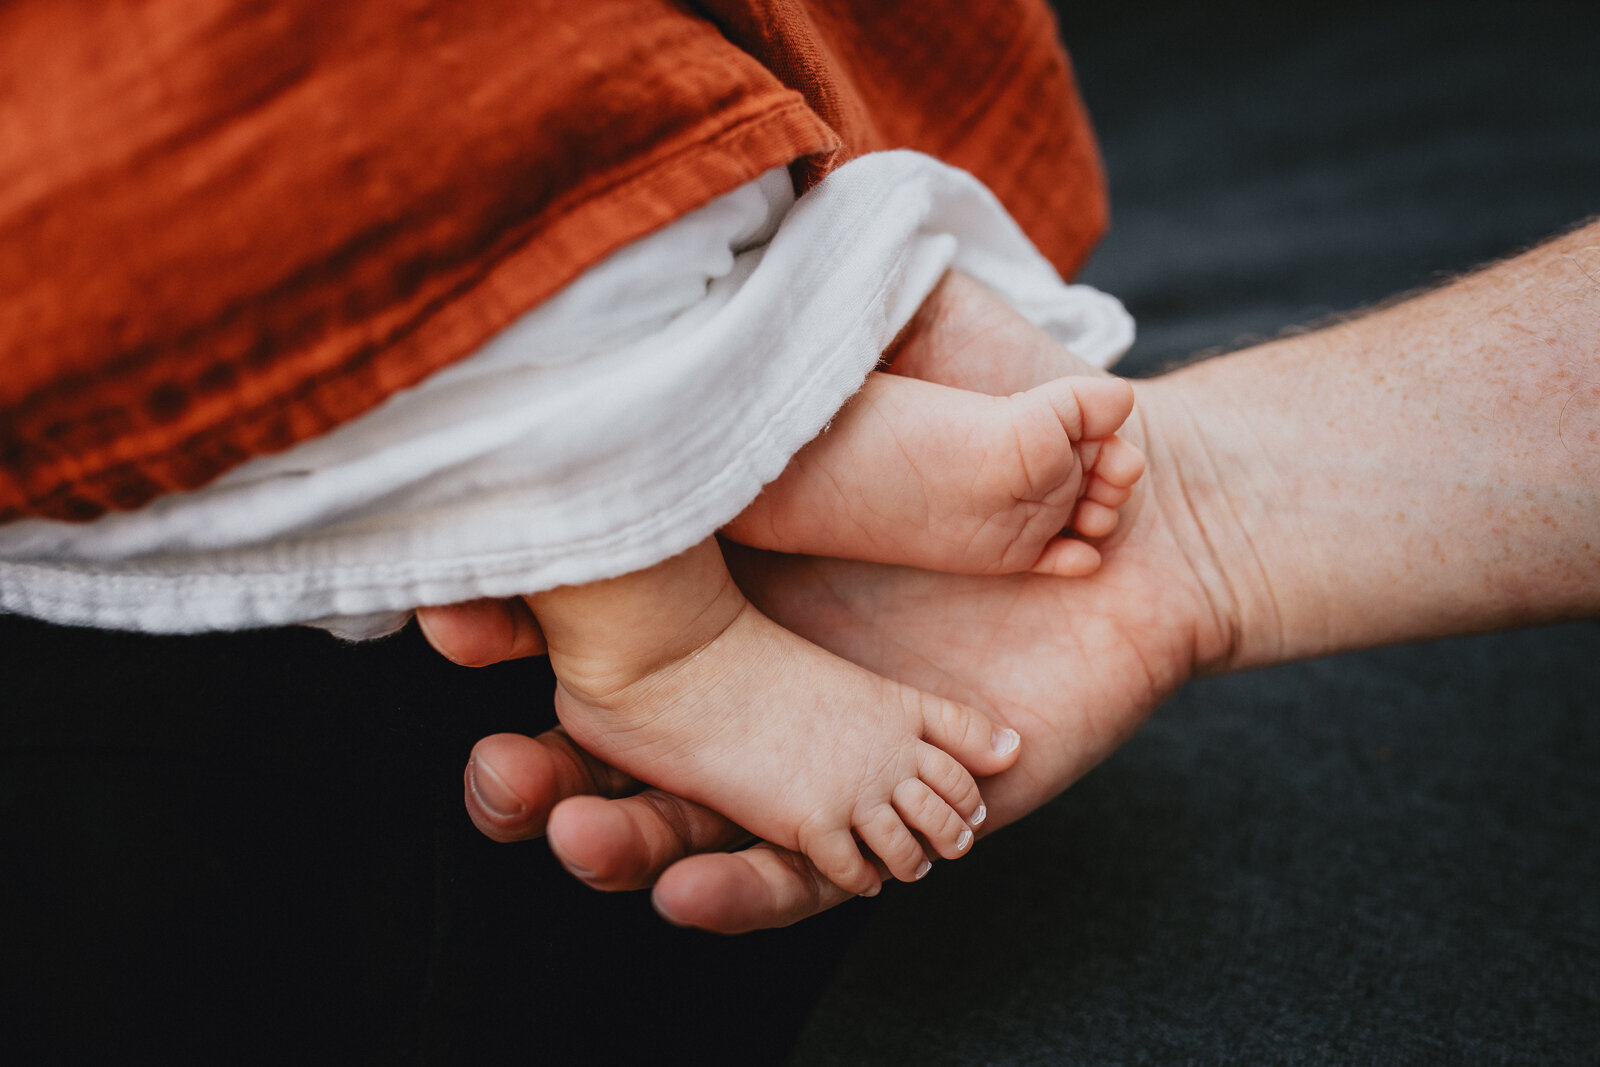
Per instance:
x=1429, y=469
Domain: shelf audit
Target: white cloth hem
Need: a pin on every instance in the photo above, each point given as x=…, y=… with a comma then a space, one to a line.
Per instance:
x=616, y=425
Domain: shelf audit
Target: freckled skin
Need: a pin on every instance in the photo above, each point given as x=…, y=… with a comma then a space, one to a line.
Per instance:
x=1471, y=459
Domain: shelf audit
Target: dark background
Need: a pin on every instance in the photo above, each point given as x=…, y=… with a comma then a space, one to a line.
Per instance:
x=251, y=847
x=1382, y=858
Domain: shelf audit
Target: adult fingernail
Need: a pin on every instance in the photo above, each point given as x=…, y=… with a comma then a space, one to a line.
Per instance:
x=981, y=814
x=963, y=840
x=922, y=870
x=492, y=793
x=1006, y=741
x=682, y=924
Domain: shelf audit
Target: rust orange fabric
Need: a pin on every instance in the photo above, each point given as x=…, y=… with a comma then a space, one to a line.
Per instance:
x=228, y=226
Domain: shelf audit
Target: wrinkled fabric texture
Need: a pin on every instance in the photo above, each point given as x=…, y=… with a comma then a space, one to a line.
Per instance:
x=227, y=228
x=616, y=425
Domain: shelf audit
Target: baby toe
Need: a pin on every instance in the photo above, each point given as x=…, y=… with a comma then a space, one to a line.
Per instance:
x=949, y=781
x=836, y=854
x=1103, y=492
x=968, y=735
x=1066, y=558
x=892, y=842
x=923, y=811
x=1120, y=462
x=1094, y=520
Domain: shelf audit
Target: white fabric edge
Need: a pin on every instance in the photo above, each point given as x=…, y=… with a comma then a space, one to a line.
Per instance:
x=898, y=217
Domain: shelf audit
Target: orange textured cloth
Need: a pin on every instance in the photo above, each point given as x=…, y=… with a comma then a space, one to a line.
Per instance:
x=226, y=227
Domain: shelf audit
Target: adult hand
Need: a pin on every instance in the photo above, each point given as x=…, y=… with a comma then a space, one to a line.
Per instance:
x=1075, y=665
x=1424, y=471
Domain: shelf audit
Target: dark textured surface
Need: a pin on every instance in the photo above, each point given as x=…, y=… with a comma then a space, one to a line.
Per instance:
x=1385, y=858
x=1270, y=167
x=251, y=848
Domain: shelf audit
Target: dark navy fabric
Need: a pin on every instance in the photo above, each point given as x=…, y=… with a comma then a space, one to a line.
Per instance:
x=1384, y=858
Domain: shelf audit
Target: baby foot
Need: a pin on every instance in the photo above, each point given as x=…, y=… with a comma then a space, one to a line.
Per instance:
x=798, y=746
x=921, y=474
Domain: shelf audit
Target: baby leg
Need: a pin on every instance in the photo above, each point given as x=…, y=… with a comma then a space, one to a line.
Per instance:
x=921, y=474
x=671, y=675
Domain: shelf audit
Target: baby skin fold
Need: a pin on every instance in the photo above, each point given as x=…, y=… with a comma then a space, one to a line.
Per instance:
x=671, y=675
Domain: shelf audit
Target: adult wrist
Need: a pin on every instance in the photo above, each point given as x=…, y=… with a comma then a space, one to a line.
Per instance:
x=1200, y=497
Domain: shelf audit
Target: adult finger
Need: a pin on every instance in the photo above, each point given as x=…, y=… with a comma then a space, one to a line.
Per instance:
x=736, y=892
x=626, y=843
x=600, y=829
x=512, y=781
x=476, y=633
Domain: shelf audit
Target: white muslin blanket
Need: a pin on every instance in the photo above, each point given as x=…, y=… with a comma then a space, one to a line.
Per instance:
x=615, y=425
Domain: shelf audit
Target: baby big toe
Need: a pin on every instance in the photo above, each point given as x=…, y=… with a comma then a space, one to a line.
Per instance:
x=886, y=835
x=1104, y=404
x=946, y=832
x=969, y=736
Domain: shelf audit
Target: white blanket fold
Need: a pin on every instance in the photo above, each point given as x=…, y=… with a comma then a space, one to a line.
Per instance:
x=613, y=426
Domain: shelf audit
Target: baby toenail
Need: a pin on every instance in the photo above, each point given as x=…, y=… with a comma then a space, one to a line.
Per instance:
x=873, y=891
x=963, y=840
x=1006, y=741
x=922, y=870
x=981, y=814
